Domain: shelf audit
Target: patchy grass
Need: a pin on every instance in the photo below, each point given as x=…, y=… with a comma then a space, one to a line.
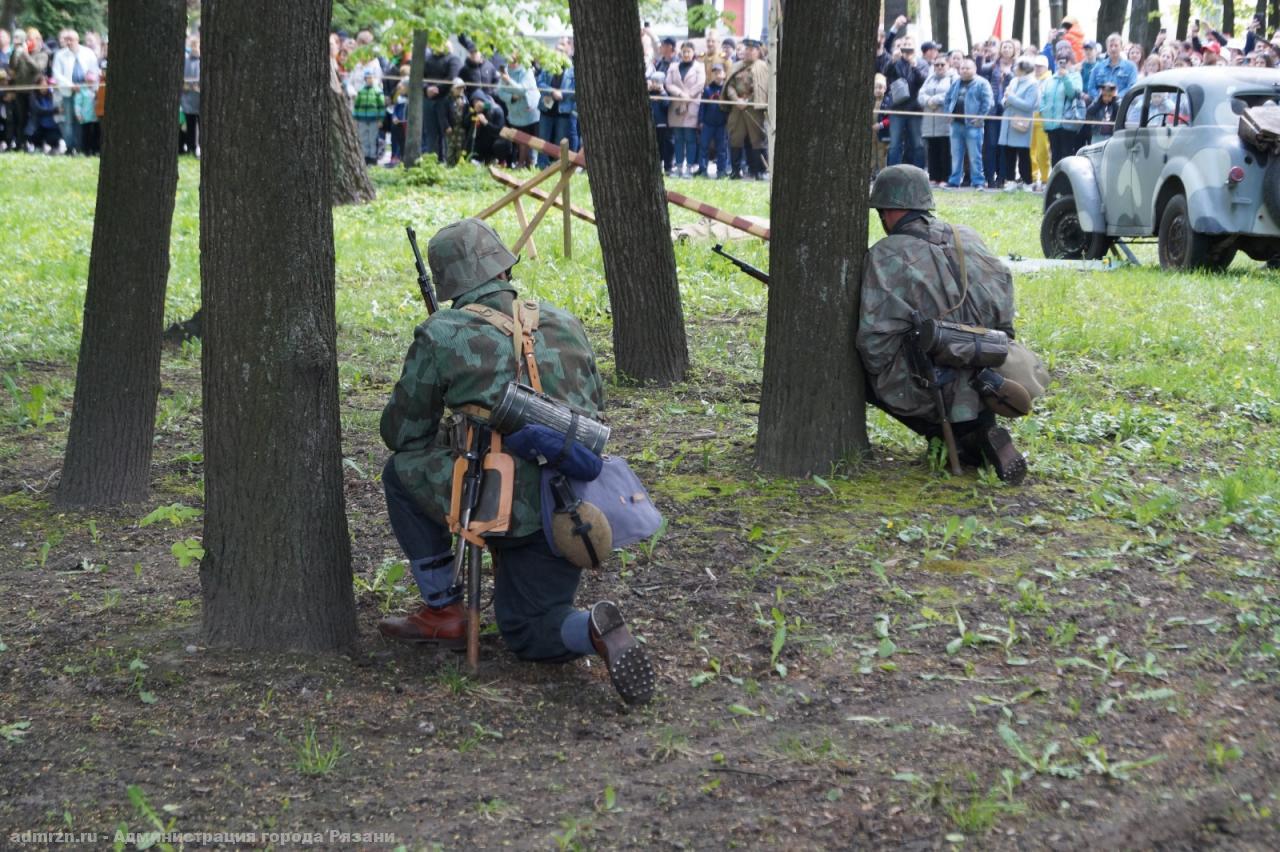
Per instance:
x=880, y=655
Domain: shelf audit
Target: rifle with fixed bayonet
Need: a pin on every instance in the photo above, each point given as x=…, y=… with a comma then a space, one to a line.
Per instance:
x=926, y=375
x=424, y=275
x=754, y=271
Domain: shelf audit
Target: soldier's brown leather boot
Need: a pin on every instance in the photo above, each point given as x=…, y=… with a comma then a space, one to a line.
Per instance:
x=446, y=626
x=629, y=666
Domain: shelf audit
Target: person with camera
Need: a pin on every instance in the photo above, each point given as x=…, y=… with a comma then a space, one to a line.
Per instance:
x=925, y=269
x=906, y=74
x=1062, y=106
x=462, y=359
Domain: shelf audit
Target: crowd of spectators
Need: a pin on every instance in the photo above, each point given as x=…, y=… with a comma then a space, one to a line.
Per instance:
x=51, y=97
x=706, y=120
x=1001, y=114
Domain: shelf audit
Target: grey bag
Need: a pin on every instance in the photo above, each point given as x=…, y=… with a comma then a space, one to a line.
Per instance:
x=899, y=92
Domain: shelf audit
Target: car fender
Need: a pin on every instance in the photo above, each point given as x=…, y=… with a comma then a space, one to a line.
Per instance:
x=1209, y=202
x=1075, y=176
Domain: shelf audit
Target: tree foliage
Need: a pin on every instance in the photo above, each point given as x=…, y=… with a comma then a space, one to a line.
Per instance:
x=49, y=16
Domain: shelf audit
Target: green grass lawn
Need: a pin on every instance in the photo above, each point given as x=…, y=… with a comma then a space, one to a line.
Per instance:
x=879, y=655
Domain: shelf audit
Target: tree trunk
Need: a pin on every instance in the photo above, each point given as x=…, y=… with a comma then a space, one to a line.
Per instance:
x=625, y=173
x=1260, y=11
x=413, y=111
x=1019, y=20
x=277, y=567
x=964, y=16
x=351, y=183
x=775, y=58
x=1184, y=19
x=1034, y=35
x=118, y=374
x=1056, y=13
x=940, y=20
x=689, y=6
x=9, y=13
x=812, y=403
x=1228, y=18
x=1142, y=27
x=892, y=9
x=1110, y=18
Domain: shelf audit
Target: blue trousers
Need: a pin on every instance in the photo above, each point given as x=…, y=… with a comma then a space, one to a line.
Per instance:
x=553, y=128
x=966, y=140
x=533, y=588
x=718, y=136
x=686, y=146
x=906, y=144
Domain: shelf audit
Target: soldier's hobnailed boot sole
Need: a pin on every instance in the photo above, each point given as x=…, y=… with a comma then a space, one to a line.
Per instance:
x=998, y=447
x=629, y=667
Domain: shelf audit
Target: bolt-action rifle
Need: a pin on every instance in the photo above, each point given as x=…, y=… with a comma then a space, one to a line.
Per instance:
x=424, y=276
x=468, y=448
x=927, y=377
x=754, y=271
x=468, y=438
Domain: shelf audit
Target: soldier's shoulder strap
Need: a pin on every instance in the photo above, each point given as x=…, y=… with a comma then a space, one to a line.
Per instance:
x=519, y=325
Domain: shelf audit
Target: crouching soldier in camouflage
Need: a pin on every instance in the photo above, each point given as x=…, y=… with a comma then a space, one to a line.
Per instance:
x=927, y=269
x=462, y=359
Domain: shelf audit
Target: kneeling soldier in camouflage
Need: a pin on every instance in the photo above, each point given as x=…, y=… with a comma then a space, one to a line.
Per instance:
x=925, y=275
x=463, y=358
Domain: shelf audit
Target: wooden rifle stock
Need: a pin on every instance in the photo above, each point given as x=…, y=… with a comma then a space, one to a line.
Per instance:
x=926, y=376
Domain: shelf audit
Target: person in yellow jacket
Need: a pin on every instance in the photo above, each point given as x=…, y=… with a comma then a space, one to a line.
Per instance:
x=1039, y=140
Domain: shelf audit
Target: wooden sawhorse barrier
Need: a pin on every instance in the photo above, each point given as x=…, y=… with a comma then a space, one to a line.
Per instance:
x=566, y=161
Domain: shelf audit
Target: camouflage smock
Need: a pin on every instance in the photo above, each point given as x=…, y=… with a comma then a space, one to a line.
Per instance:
x=458, y=358
x=916, y=268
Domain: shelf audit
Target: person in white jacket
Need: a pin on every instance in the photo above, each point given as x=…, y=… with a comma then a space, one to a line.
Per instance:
x=72, y=64
x=936, y=126
x=685, y=81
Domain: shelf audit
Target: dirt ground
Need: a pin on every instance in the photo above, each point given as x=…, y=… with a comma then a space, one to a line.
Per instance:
x=1103, y=691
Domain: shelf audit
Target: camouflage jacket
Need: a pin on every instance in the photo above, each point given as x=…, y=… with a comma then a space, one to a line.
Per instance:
x=916, y=268
x=458, y=358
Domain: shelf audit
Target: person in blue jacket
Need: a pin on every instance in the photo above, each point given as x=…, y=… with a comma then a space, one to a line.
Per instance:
x=714, y=125
x=968, y=102
x=559, y=109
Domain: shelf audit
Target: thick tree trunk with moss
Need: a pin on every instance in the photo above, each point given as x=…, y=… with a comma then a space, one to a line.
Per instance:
x=277, y=567
x=812, y=406
x=626, y=188
x=351, y=183
x=108, y=457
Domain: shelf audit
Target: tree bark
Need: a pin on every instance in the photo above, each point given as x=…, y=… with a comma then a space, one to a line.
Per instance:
x=277, y=567
x=1142, y=27
x=1260, y=11
x=812, y=405
x=1228, y=18
x=1110, y=18
x=625, y=174
x=108, y=457
x=1056, y=12
x=1019, y=20
x=940, y=20
x=1184, y=19
x=1034, y=35
x=413, y=110
x=892, y=9
x=351, y=183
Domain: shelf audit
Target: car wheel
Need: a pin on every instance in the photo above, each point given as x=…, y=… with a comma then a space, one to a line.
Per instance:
x=1061, y=235
x=1180, y=245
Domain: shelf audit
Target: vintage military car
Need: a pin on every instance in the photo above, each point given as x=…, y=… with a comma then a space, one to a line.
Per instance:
x=1177, y=169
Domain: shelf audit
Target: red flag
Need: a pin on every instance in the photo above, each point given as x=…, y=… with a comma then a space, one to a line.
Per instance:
x=995, y=31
